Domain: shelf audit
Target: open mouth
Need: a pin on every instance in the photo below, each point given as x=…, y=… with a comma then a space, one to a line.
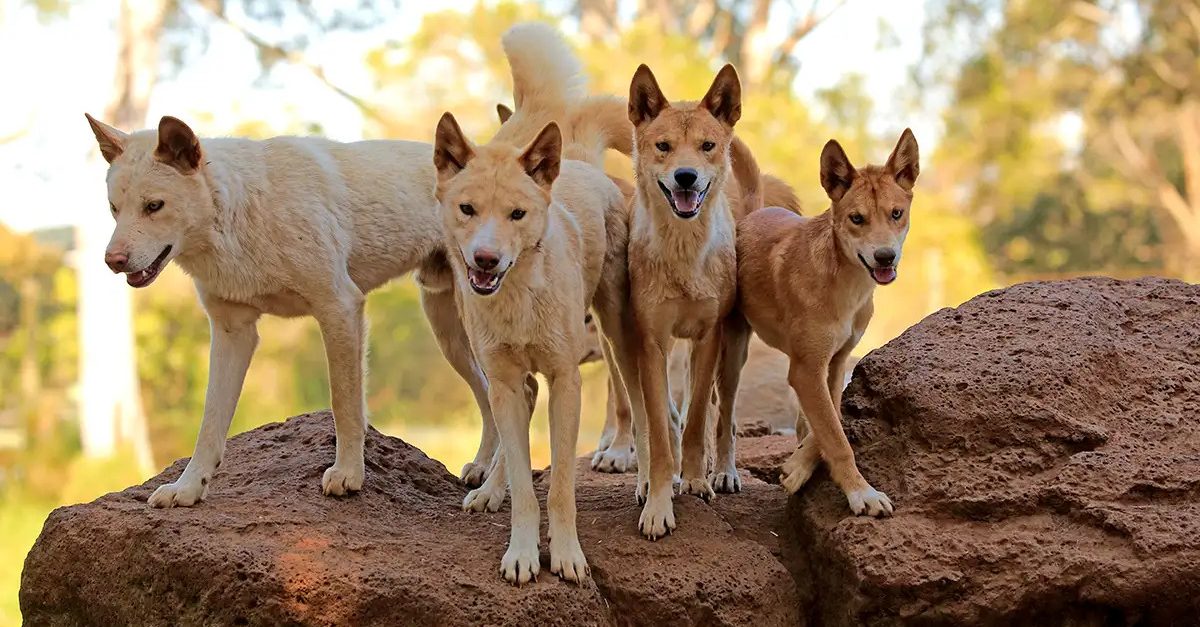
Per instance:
x=483, y=282
x=685, y=202
x=146, y=276
x=882, y=275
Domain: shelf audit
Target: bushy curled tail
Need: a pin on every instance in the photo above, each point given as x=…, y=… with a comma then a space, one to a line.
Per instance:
x=596, y=124
x=549, y=85
x=545, y=70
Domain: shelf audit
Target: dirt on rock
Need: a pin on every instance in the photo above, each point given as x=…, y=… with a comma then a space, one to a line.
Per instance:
x=1041, y=443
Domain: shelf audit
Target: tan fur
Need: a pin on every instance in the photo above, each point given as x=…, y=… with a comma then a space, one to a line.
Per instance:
x=806, y=288
x=535, y=240
x=682, y=268
x=287, y=226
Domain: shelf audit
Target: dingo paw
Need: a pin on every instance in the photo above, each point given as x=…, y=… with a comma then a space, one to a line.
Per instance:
x=796, y=471
x=486, y=498
x=520, y=562
x=697, y=486
x=181, y=493
x=727, y=482
x=870, y=502
x=474, y=474
x=342, y=479
x=567, y=560
x=658, y=516
x=614, y=459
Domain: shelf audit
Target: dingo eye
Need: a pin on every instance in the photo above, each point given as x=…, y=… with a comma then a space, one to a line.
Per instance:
x=466, y=209
x=517, y=214
x=856, y=218
x=154, y=205
x=707, y=146
x=897, y=214
x=663, y=146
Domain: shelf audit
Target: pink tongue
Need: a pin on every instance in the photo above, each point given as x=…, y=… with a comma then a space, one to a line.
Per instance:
x=685, y=200
x=884, y=275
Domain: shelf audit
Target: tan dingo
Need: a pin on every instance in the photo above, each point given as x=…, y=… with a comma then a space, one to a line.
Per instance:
x=806, y=286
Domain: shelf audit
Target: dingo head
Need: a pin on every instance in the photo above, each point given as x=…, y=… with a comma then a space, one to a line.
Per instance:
x=682, y=150
x=157, y=192
x=871, y=205
x=495, y=198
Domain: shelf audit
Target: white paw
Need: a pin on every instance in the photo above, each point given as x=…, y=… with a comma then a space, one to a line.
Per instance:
x=870, y=502
x=520, y=562
x=567, y=560
x=340, y=480
x=473, y=474
x=614, y=459
x=727, y=482
x=658, y=516
x=182, y=493
x=486, y=498
x=697, y=486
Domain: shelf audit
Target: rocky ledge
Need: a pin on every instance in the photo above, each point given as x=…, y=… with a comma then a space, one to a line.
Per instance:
x=1041, y=443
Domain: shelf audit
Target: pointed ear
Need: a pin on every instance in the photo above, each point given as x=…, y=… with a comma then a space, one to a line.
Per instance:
x=178, y=146
x=724, y=97
x=451, y=150
x=905, y=162
x=112, y=141
x=543, y=157
x=837, y=174
x=646, y=100
x=504, y=112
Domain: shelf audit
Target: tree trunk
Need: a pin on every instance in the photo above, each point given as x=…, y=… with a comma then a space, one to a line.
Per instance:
x=110, y=411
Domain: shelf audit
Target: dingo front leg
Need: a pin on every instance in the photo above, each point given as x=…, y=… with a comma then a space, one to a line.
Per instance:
x=705, y=352
x=566, y=556
x=342, y=324
x=234, y=338
x=507, y=395
x=658, y=515
x=810, y=381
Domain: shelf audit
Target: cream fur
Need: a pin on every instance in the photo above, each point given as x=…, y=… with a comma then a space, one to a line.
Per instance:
x=288, y=226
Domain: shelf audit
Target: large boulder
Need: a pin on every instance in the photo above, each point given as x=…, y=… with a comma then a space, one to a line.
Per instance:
x=267, y=548
x=1042, y=446
x=1041, y=443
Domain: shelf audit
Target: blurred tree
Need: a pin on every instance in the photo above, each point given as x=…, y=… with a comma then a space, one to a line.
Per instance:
x=737, y=30
x=1074, y=129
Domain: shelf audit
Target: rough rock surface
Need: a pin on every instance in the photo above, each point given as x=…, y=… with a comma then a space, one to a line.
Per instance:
x=1042, y=446
x=1041, y=443
x=267, y=548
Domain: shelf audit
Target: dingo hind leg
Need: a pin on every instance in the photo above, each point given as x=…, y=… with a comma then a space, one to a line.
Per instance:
x=616, y=450
x=729, y=375
x=442, y=313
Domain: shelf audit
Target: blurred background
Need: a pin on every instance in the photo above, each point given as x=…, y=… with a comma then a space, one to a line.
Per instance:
x=1058, y=139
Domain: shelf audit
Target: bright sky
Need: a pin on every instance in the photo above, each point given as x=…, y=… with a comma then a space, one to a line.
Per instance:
x=49, y=173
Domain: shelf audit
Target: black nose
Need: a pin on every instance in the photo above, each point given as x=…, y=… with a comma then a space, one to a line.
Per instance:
x=885, y=256
x=686, y=177
x=486, y=259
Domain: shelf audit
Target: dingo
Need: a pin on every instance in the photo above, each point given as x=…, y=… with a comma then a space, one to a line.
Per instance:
x=288, y=226
x=535, y=240
x=682, y=270
x=806, y=287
